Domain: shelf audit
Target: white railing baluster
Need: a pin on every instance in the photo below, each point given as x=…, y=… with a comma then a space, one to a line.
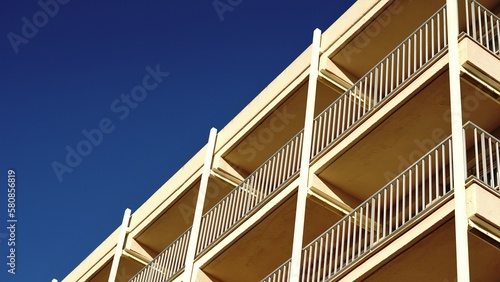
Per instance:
x=491, y=168
x=473, y=14
x=348, y=244
x=305, y=266
x=423, y=183
x=385, y=212
x=497, y=150
x=415, y=52
x=467, y=20
x=344, y=102
x=392, y=85
x=497, y=50
x=417, y=181
x=391, y=191
x=429, y=178
x=360, y=230
x=480, y=25
x=427, y=41
x=286, y=166
x=438, y=25
x=342, y=242
x=272, y=176
x=378, y=217
x=339, y=119
x=279, y=168
x=372, y=223
x=410, y=194
x=215, y=231
x=483, y=158
x=371, y=88
x=386, y=80
x=337, y=248
x=381, y=82
x=327, y=253
x=354, y=233
x=403, y=220
x=314, y=261
x=397, y=205
x=492, y=30
x=367, y=229
x=420, y=49
x=366, y=89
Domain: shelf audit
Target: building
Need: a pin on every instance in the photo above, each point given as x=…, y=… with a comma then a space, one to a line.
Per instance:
x=373, y=156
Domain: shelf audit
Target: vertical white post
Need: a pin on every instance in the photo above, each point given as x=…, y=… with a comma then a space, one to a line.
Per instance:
x=119, y=246
x=300, y=213
x=195, y=230
x=461, y=222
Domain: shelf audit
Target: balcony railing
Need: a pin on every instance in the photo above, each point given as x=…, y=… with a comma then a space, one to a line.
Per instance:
x=483, y=157
x=483, y=26
x=381, y=81
x=247, y=196
x=380, y=216
x=168, y=264
x=399, y=203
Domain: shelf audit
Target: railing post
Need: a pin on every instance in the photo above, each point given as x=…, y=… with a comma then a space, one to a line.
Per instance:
x=195, y=230
x=461, y=221
x=300, y=212
x=119, y=246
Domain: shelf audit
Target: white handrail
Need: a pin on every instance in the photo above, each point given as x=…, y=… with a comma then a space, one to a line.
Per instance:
x=253, y=191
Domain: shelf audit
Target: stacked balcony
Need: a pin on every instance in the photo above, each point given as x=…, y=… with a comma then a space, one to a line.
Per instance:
x=420, y=188
x=399, y=204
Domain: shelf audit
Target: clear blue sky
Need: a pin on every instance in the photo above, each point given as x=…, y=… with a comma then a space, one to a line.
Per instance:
x=67, y=72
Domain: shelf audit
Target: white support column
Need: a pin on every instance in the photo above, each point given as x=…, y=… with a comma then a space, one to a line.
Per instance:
x=300, y=213
x=195, y=230
x=119, y=245
x=461, y=232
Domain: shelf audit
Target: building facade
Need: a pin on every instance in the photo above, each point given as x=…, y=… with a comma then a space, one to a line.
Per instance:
x=372, y=157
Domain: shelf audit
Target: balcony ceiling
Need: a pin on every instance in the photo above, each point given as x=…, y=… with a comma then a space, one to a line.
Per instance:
x=433, y=259
x=383, y=34
x=179, y=216
x=269, y=243
x=126, y=270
